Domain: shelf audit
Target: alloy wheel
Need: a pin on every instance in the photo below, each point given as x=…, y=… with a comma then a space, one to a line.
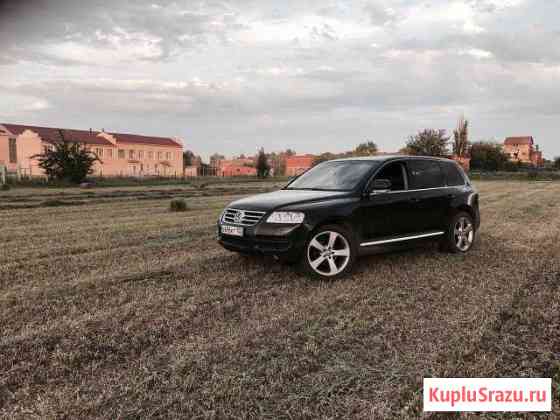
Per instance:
x=328, y=253
x=464, y=234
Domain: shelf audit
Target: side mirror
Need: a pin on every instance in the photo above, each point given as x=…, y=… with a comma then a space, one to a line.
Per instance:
x=381, y=185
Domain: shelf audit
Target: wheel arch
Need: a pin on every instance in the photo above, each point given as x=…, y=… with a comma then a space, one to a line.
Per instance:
x=463, y=208
x=334, y=220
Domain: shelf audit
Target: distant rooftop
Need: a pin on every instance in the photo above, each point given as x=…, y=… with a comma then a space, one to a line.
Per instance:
x=514, y=141
x=50, y=134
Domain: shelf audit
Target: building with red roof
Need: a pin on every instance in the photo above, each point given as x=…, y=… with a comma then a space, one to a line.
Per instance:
x=523, y=149
x=236, y=167
x=298, y=164
x=120, y=154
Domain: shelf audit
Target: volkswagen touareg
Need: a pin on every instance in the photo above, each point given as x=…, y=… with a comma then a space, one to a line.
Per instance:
x=344, y=208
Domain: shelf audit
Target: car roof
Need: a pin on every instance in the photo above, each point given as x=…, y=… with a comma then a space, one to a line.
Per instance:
x=385, y=158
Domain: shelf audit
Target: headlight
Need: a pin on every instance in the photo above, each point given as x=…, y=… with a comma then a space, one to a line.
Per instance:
x=291, y=217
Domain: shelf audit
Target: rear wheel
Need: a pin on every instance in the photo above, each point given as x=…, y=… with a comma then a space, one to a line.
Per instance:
x=461, y=233
x=330, y=252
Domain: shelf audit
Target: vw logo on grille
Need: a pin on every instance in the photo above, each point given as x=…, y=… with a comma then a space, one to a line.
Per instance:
x=239, y=216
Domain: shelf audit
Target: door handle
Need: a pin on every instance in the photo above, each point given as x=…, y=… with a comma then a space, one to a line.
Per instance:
x=414, y=200
x=451, y=195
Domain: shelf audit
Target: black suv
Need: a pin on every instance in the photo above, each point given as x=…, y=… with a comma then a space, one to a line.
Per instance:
x=344, y=208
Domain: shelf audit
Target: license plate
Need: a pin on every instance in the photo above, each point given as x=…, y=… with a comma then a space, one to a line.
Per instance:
x=232, y=230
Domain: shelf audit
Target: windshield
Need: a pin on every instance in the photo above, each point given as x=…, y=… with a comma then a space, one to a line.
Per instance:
x=334, y=176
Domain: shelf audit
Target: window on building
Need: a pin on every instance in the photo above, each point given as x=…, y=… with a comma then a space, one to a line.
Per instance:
x=110, y=153
x=140, y=154
x=99, y=151
x=168, y=155
x=131, y=154
x=121, y=154
x=160, y=155
x=425, y=174
x=151, y=155
x=13, y=150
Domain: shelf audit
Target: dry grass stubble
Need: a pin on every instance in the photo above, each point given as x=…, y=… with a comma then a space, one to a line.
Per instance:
x=146, y=316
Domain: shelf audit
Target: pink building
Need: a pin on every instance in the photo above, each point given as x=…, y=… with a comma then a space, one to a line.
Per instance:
x=524, y=150
x=237, y=167
x=191, y=171
x=296, y=165
x=120, y=154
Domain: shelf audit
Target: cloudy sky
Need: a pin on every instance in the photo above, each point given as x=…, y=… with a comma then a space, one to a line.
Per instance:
x=232, y=75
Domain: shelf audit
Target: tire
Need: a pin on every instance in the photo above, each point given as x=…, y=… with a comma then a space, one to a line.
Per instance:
x=460, y=235
x=329, y=253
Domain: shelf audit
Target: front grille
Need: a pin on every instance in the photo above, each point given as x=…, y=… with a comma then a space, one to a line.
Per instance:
x=242, y=217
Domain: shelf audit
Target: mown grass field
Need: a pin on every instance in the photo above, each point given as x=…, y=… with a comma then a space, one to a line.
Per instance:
x=113, y=307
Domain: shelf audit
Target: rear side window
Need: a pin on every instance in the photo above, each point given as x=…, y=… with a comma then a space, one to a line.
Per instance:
x=425, y=174
x=452, y=174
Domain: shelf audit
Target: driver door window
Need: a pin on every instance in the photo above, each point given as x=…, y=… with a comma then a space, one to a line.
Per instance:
x=396, y=173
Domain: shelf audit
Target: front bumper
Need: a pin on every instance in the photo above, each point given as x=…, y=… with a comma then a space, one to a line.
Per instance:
x=281, y=241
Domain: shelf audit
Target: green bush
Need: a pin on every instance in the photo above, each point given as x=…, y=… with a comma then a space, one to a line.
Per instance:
x=178, y=204
x=5, y=187
x=67, y=160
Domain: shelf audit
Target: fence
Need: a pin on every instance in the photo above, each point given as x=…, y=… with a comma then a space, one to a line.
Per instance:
x=20, y=174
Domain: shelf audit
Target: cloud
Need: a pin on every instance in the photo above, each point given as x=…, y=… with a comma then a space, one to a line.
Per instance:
x=314, y=75
x=379, y=14
x=491, y=6
x=139, y=30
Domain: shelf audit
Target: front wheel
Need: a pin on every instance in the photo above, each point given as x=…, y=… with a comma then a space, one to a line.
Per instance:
x=329, y=253
x=460, y=235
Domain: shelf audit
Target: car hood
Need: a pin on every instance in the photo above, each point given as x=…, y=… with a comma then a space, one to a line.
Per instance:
x=281, y=198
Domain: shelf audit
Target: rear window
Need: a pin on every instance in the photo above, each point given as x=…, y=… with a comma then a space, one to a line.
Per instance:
x=425, y=174
x=452, y=174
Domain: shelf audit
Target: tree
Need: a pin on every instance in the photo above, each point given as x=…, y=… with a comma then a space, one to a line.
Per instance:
x=461, y=138
x=365, y=149
x=215, y=158
x=323, y=157
x=188, y=158
x=263, y=168
x=488, y=156
x=428, y=142
x=277, y=162
x=67, y=160
x=290, y=152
